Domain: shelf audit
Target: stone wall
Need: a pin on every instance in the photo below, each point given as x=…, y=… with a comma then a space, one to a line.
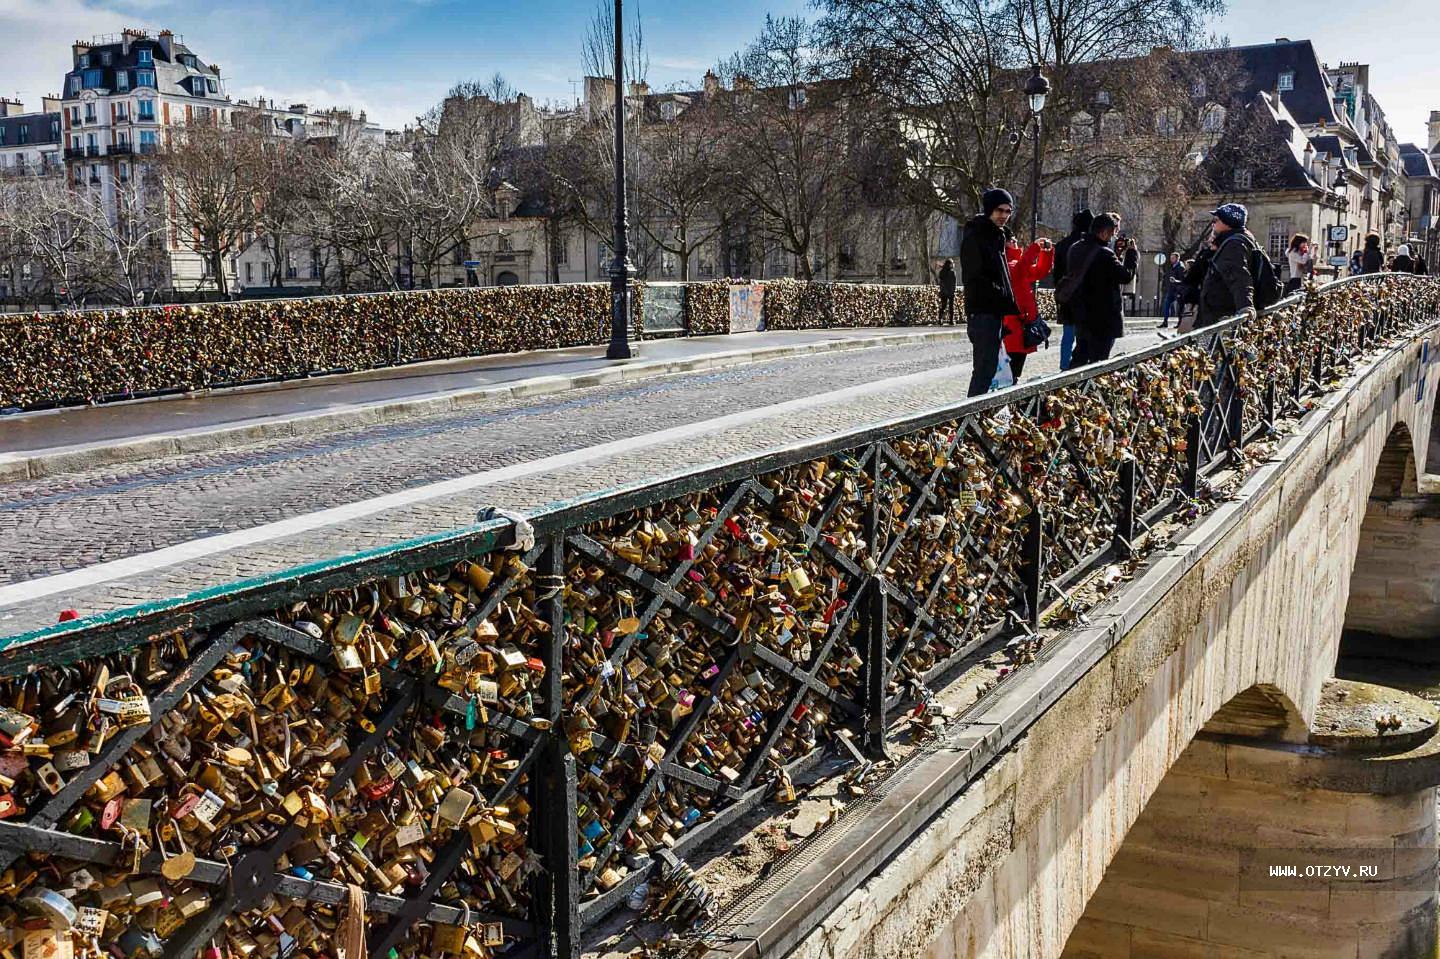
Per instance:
x=1253, y=596
x=1395, y=591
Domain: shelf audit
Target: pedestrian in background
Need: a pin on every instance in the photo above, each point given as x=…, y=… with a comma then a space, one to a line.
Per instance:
x=985, y=279
x=1420, y=268
x=1027, y=267
x=1094, y=276
x=947, y=293
x=1079, y=229
x=1229, y=285
x=1402, y=262
x=1301, y=260
x=1356, y=264
x=1373, y=259
x=1174, y=289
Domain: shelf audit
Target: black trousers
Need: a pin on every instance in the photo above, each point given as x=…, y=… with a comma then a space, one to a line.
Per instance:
x=1017, y=364
x=1091, y=348
x=984, y=331
x=947, y=309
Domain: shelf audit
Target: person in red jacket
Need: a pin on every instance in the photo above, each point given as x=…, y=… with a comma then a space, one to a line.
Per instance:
x=1027, y=267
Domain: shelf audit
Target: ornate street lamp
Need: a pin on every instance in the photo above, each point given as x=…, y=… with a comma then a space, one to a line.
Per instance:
x=621, y=269
x=1036, y=88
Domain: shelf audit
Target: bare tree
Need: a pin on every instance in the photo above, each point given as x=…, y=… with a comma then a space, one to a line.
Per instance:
x=679, y=182
x=597, y=53
x=787, y=132
x=206, y=171
x=128, y=236
x=46, y=221
x=279, y=179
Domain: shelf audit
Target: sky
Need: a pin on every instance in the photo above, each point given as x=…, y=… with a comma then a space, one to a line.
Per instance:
x=396, y=58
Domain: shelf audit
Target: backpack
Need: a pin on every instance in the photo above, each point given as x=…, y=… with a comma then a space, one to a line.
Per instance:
x=1074, y=278
x=1267, y=281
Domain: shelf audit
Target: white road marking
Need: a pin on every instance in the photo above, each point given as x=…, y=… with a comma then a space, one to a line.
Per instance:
x=210, y=545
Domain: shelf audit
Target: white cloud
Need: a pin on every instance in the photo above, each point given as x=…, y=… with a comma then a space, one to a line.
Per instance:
x=35, y=39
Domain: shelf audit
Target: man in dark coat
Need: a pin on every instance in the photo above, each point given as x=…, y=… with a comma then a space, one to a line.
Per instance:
x=986, y=278
x=1079, y=229
x=1229, y=286
x=947, y=293
x=1096, y=308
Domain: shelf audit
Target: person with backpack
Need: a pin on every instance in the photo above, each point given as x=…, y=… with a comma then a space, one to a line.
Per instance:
x=1025, y=331
x=1079, y=229
x=1091, y=290
x=1229, y=285
x=989, y=297
x=947, y=293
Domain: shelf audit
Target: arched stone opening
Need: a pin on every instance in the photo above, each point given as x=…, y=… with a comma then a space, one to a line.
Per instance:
x=1395, y=583
x=1202, y=870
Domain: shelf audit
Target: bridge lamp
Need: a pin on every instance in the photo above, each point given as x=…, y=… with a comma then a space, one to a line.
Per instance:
x=1037, y=88
x=621, y=269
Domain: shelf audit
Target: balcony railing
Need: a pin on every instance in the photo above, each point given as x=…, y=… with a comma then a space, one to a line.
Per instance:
x=120, y=149
x=550, y=712
x=92, y=151
x=74, y=153
x=147, y=148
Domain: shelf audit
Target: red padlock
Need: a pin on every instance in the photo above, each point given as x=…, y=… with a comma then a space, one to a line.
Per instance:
x=112, y=812
x=378, y=789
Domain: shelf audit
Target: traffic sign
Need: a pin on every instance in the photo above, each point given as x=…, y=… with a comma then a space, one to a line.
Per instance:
x=1339, y=260
x=1160, y=259
x=472, y=264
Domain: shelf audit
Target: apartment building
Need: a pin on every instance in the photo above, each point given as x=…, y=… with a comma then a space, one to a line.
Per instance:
x=29, y=142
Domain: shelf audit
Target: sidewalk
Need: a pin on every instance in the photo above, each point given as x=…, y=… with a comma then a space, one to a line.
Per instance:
x=44, y=443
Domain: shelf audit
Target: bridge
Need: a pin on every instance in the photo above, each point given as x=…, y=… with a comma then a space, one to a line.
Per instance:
x=1074, y=645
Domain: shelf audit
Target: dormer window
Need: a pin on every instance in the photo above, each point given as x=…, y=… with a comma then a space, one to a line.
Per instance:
x=1243, y=179
x=144, y=56
x=122, y=80
x=667, y=110
x=1198, y=88
x=1287, y=81
x=105, y=59
x=84, y=61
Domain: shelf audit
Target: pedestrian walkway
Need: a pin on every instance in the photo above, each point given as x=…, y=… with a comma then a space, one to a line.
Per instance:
x=111, y=538
x=44, y=443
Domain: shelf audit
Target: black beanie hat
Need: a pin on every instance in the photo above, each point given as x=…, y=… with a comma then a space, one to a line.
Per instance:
x=994, y=198
x=1081, y=221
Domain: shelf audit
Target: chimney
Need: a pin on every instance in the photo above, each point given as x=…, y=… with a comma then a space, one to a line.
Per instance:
x=11, y=108
x=128, y=35
x=743, y=84
x=76, y=49
x=1282, y=39
x=50, y=104
x=639, y=88
x=167, y=44
x=1434, y=130
x=712, y=83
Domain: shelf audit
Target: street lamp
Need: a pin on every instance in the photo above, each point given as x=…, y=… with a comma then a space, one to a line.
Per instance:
x=621, y=269
x=1036, y=88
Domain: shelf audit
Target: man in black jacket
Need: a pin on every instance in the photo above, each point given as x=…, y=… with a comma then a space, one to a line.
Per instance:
x=1079, y=229
x=1229, y=285
x=1096, y=307
x=947, y=293
x=986, y=278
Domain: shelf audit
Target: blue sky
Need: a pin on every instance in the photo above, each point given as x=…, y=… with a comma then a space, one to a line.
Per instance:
x=394, y=58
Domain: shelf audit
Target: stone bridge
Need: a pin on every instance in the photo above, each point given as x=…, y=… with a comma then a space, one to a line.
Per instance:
x=498, y=731
x=1129, y=796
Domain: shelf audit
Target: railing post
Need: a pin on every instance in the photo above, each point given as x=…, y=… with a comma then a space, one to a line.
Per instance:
x=1235, y=421
x=1190, y=484
x=1272, y=400
x=1125, y=515
x=874, y=630
x=553, y=790
x=1032, y=562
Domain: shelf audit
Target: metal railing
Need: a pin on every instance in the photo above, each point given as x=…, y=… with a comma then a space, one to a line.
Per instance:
x=548, y=707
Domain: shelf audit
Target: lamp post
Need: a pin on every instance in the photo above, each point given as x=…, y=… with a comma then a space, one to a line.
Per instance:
x=1036, y=88
x=621, y=269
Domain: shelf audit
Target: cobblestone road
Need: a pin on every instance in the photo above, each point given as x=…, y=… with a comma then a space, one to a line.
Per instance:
x=72, y=522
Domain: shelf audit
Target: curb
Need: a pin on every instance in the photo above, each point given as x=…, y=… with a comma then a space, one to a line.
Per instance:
x=17, y=467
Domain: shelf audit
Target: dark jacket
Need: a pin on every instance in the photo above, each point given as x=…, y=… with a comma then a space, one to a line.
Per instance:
x=1403, y=264
x=1228, y=287
x=983, y=270
x=947, y=280
x=1062, y=266
x=1174, y=280
x=1372, y=260
x=1420, y=269
x=1195, y=276
x=1096, y=307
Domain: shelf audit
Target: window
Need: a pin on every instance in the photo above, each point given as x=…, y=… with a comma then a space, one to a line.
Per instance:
x=93, y=78
x=1243, y=179
x=1079, y=199
x=55, y=130
x=74, y=116
x=24, y=133
x=1286, y=81
x=122, y=80
x=1212, y=118
x=79, y=175
x=1083, y=127
x=124, y=173
x=1281, y=228
x=211, y=85
x=797, y=98
x=91, y=147
x=144, y=78
x=314, y=264
x=503, y=244
x=1198, y=88
x=249, y=272
x=89, y=113
x=1167, y=124
x=122, y=111
x=74, y=85
x=667, y=264
x=2, y=136
x=562, y=253
x=147, y=141
x=144, y=56
x=105, y=59
x=147, y=111
x=94, y=173
x=667, y=110
x=84, y=61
